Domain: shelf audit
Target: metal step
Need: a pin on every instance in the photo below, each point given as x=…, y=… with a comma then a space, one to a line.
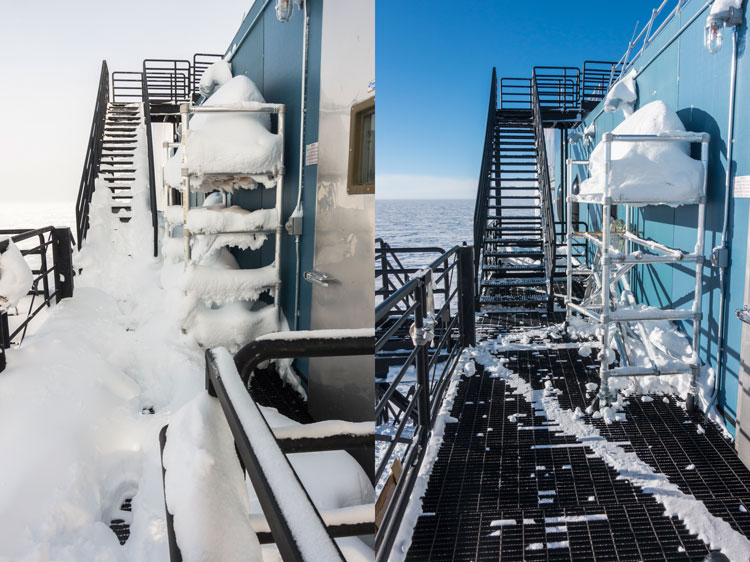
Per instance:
x=515, y=282
x=117, y=170
x=114, y=188
x=530, y=242
x=515, y=207
x=513, y=267
x=112, y=180
x=532, y=298
x=516, y=253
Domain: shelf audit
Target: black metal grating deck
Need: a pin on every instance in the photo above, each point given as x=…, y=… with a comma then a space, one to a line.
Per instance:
x=496, y=464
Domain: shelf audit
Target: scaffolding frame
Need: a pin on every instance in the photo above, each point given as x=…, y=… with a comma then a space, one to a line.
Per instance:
x=186, y=109
x=616, y=264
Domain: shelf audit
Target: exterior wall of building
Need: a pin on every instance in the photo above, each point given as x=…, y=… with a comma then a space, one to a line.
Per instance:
x=696, y=84
x=271, y=56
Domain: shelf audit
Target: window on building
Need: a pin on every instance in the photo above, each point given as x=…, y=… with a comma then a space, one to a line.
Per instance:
x=361, y=177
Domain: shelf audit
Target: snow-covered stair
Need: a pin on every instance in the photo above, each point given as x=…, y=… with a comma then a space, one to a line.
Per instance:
x=118, y=165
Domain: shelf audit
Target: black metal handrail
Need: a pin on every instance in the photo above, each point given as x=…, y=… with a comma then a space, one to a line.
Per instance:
x=168, y=79
x=151, y=174
x=93, y=157
x=433, y=338
x=558, y=87
x=288, y=540
x=390, y=271
x=597, y=78
x=60, y=242
x=126, y=86
x=485, y=171
x=545, y=194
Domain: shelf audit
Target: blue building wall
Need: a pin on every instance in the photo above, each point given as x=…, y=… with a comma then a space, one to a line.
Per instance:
x=271, y=56
x=695, y=84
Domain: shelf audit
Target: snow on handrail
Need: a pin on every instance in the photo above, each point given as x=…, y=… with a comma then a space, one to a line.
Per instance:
x=296, y=524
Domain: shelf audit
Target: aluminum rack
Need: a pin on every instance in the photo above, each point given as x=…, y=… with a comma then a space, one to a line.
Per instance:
x=610, y=273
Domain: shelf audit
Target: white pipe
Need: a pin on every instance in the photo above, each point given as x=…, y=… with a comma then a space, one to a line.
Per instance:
x=300, y=185
x=725, y=227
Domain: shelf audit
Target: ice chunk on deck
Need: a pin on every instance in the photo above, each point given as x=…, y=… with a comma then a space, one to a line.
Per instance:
x=647, y=172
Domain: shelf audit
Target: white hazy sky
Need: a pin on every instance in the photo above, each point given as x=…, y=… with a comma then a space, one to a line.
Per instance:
x=52, y=52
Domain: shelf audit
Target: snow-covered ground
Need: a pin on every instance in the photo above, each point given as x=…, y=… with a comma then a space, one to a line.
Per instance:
x=83, y=399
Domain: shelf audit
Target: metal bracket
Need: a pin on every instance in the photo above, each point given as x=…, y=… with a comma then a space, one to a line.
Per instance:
x=720, y=257
x=318, y=278
x=744, y=314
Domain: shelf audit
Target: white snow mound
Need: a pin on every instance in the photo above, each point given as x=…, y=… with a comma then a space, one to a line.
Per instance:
x=238, y=144
x=215, y=76
x=622, y=95
x=15, y=277
x=645, y=173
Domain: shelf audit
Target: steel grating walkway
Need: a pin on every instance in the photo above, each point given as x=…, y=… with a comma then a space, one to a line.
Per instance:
x=507, y=486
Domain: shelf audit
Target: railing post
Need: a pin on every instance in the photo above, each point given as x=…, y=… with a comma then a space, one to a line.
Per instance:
x=4, y=339
x=62, y=244
x=422, y=360
x=43, y=264
x=466, y=319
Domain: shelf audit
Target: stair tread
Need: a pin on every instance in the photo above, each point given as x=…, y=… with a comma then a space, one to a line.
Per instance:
x=513, y=299
x=514, y=282
x=513, y=267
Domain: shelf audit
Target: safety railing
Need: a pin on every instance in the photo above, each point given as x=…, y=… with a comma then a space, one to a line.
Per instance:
x=168, y=80
x=93, y=157
x=485, y=172
x=126, y=86
x=597, y=78
x=48, y=251
x=545, y=194
x=201, y=61
x=296, y=527
x=392, y=269
x=429, y=340
x=557, y=87
x=515, y=93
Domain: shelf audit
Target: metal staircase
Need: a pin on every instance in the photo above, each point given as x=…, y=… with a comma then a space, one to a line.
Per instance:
x=514, y=222
x=117, y=166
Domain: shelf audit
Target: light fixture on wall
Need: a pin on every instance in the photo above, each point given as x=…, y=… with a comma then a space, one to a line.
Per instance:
x=717, y=20
x=284, y=9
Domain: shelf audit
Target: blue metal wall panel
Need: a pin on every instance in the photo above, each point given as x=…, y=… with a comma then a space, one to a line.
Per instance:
x=271, y=55
x=695, y=84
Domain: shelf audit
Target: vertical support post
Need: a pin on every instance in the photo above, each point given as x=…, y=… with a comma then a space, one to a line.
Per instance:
x=279, y=201
x=697, y=304
x=466, y=319
x=568, y=242
x=184, y=119
x=4, y=339
x=43, y=263
x=62, y=257
x=604, y=317
x=422, y=360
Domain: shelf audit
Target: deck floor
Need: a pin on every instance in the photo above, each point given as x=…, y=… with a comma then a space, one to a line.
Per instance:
x=507, y=485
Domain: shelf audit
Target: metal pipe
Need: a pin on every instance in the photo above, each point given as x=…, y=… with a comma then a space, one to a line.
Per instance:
x=184, y=121
x=725, y=227
x=279, y=228
x=569, y=241
x=300, y=185
x=606, y=216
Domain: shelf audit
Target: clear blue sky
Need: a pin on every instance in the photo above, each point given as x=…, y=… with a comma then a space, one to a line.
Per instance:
x=433, y=68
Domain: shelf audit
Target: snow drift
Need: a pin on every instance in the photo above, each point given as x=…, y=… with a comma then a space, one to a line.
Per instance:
x=647, y=172
x=237, y=144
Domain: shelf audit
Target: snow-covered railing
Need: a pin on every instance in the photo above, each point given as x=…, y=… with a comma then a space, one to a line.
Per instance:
x=421, y=343
x=56, y=243
x=300, y=532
